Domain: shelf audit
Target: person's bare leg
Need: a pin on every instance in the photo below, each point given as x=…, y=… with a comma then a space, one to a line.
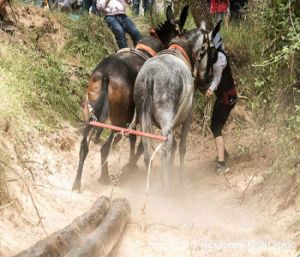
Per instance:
x=220, y=148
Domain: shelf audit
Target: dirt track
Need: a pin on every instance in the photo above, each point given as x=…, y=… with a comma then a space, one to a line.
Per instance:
x=204, y=218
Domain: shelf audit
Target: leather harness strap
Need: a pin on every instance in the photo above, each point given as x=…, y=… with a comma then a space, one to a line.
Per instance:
x=178, y=51
x=136, y=51
x=146, y=48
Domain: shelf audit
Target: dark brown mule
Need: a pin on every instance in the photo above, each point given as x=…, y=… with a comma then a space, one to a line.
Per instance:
x=110, y=91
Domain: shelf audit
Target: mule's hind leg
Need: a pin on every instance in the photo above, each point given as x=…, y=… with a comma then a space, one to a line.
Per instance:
x=146, y=143
x=166, y=159
x=174, y=146
x=84, y=149
x=105, y=149
x=182, y=147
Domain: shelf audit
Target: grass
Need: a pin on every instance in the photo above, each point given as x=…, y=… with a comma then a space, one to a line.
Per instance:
x=51, y=85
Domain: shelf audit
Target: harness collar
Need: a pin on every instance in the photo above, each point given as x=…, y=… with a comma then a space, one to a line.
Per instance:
x=141, y=54
x=146, y=48
x=182, y=52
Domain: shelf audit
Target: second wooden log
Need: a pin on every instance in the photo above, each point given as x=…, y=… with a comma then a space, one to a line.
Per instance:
x=60, y=242
x=102, y=240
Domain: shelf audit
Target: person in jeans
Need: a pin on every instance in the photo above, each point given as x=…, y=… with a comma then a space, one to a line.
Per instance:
x=147, y=5
x=118, y=21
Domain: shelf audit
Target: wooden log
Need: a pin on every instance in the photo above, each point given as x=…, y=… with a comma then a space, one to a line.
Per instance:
x=102, y=240
x=60, y=242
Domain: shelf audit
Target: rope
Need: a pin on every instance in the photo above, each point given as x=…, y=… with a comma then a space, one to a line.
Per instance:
x=206, y=116
x=143, y=214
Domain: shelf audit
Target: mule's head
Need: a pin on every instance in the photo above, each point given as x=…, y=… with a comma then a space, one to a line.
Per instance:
x=209, y=56
x=204, y=51
x=172, y=27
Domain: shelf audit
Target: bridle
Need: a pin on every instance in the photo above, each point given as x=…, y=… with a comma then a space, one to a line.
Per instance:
x=207, y=44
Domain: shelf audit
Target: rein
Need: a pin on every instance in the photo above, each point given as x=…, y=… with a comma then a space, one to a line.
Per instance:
x=205, y=46
x=146, y=48
x=179, y=52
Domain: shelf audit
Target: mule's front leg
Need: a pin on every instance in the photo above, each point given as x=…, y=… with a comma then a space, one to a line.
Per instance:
x=84, y=149
x=139, y=152
x=131, y=165
x=105, y=149
x=132, y=161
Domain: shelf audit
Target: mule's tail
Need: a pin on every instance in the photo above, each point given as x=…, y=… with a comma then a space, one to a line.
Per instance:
x=146, y=120
x=101, y=105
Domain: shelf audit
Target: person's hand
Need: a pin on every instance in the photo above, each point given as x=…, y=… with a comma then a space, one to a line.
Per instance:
x=209, y=93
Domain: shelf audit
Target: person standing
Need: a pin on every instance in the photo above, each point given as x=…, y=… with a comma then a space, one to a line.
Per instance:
x=147, y=6
x=223, y=86
x=220, y=10
x=118, y=21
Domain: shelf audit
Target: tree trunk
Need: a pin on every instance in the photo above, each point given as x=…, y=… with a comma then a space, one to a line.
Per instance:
x=102, y=240
x=199, y=10
x=60, y=242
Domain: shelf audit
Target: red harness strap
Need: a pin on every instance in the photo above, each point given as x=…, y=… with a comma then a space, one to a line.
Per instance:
x=182, y=51
x=146, y=48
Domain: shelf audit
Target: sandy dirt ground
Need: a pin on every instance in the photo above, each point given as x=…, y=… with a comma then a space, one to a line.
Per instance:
x=205, y=216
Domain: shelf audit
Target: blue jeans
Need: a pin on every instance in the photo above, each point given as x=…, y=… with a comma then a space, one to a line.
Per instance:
x=119, y=24
x=147, y=5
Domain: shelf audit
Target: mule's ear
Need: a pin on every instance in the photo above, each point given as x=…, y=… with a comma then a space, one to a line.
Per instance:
x=169, y=13
x=216, y=29
x=183, y=16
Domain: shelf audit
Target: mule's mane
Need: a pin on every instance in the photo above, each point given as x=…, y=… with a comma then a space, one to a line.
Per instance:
x=152, y=42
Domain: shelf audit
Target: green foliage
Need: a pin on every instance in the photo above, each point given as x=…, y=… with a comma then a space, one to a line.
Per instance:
x=51, y=86
x=275, y=86
x=43, y=84
x=90, y=40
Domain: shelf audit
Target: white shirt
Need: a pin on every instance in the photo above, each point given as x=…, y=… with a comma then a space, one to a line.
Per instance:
x=112, y=7
x=217, y=71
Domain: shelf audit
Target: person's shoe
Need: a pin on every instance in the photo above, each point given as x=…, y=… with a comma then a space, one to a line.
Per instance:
x=222, y=168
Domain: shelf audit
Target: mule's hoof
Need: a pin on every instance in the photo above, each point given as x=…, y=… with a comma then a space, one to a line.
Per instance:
x=76, y=187
x=104, y=180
